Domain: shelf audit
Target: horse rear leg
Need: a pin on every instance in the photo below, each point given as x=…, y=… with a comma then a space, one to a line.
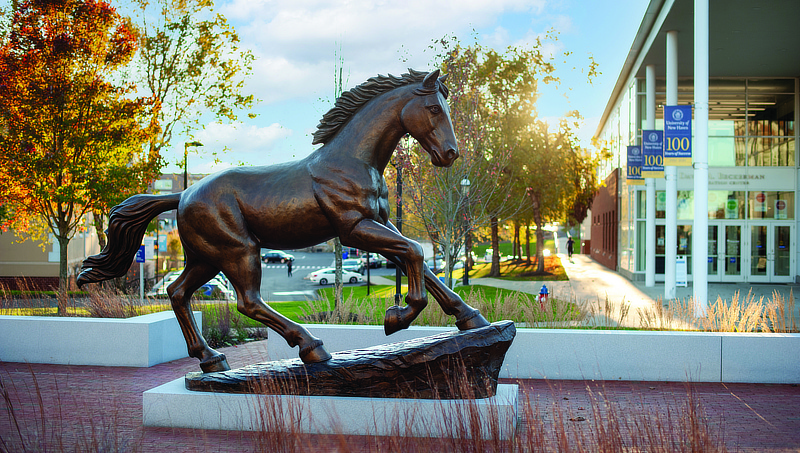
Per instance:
x=244, y=272
x=180, y=293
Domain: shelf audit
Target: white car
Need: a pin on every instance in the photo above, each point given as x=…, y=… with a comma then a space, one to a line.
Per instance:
x=218, y=282
x=328, y=275
x=352, y=265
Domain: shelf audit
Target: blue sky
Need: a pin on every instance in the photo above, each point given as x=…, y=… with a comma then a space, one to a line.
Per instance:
x=294, y=42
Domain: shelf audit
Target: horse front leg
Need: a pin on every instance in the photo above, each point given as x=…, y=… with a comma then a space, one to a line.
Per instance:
x=452, y=304
x=398, y=318
x=375, y=237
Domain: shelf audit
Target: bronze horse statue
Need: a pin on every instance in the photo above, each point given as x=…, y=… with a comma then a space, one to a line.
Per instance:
x=227, y=218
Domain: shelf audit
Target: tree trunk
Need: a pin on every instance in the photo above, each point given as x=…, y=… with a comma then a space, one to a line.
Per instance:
x=495, y=270
x=338, y=285
x=99, y=226
x=528, y=243
x=539, y=249
x=537, y=219
x=63, y=282
x=448, y=262
x=470, y=262
x=517, y=245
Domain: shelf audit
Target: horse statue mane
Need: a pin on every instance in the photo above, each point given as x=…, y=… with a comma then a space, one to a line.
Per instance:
x=351, y=100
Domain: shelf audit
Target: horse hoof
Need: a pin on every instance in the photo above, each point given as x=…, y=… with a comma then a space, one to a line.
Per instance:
x=393, y=321
x=314, y=353
x=215, y=364
x=474, y=321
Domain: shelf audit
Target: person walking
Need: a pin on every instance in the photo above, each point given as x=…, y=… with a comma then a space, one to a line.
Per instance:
x=289, y=266
x=570, y=246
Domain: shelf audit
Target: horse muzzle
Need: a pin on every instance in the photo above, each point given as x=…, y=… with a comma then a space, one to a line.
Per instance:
x=444, y=159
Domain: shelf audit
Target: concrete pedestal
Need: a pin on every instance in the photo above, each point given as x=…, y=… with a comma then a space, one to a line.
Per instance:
x=172, y=405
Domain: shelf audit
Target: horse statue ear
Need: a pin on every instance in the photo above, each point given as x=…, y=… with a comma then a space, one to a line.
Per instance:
x=430, y=80
x=443, y=78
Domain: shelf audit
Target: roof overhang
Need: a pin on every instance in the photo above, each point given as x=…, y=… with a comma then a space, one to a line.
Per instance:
x=746, y=39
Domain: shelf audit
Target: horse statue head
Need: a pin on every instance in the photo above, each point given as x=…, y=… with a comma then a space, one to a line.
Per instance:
x=414, y=103
x=427, y=118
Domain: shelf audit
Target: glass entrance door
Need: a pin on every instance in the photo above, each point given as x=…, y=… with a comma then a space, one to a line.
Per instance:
x=731, y=255
x=725, y=246
x=713, y=253
x=783, y=253
x=771, y=253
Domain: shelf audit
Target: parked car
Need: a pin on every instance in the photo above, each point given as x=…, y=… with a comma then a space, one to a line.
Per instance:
x=219, y=282
x=328, y=275
x=352, y=265
x=276, y=256
x=375, y=261
x=439, y=265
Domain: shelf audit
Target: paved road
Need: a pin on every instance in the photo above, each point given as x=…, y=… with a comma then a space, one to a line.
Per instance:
x=276, y=285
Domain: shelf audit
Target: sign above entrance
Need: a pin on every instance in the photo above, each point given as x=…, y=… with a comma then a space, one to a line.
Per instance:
x=678, y=135
x=741, y=178
x=634, y=173
x=653, y=151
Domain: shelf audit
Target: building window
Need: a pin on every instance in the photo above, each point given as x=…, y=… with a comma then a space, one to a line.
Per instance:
x=726, y=204
x=751, y=122
x=771, y=205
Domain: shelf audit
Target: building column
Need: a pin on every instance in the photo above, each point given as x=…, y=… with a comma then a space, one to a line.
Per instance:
x=671, y=176
x=650, y=184
x=700, y=228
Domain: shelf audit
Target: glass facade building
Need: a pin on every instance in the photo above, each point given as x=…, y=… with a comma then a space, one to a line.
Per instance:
x=753, y=170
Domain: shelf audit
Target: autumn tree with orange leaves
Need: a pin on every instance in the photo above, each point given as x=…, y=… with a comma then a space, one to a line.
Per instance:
x=71, y=135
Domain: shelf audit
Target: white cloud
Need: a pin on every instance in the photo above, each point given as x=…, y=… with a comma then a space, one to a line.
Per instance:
x=294, y=41
x=241, y=138
x=498, y=39
x=563, y=23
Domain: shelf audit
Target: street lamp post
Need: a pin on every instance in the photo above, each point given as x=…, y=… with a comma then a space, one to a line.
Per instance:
x=465, y=183
x=185, y=162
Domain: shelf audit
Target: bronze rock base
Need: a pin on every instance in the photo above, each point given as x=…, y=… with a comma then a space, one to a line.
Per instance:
x=451, y=365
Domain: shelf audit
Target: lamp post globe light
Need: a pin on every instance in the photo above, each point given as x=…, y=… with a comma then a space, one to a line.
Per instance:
x=465, y=183
x=186, y=146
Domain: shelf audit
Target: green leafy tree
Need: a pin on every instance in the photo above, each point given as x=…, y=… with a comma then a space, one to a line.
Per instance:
x=558, y=176
x=512, y=79
x=190, y=62
x=447, y=211
x=71, y=135
x=542, y=164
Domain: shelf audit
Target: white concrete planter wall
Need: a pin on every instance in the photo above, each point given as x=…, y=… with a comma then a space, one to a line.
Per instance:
x=608, y=354
x=142, y=341
x=148, y=340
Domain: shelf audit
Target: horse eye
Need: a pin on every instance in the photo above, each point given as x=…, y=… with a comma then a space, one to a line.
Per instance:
x=435, y=109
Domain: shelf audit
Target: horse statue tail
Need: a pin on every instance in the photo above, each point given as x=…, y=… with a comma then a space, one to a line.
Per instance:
x=126, y=227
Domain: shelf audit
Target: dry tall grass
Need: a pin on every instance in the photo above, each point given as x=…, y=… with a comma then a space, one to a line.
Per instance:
x=748, y=314
x=518, y=306
x=612, y=426
x=605, y=426
x=98, y=302
x=25, y=298
x=33, y=422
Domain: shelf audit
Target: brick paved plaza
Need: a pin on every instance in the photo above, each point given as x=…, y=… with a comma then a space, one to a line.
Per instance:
x=89, y=408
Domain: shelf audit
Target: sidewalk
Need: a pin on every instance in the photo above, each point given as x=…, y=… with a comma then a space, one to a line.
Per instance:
x=594, y=283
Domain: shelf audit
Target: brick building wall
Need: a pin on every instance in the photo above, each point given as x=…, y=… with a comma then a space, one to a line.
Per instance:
x=605, y=223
